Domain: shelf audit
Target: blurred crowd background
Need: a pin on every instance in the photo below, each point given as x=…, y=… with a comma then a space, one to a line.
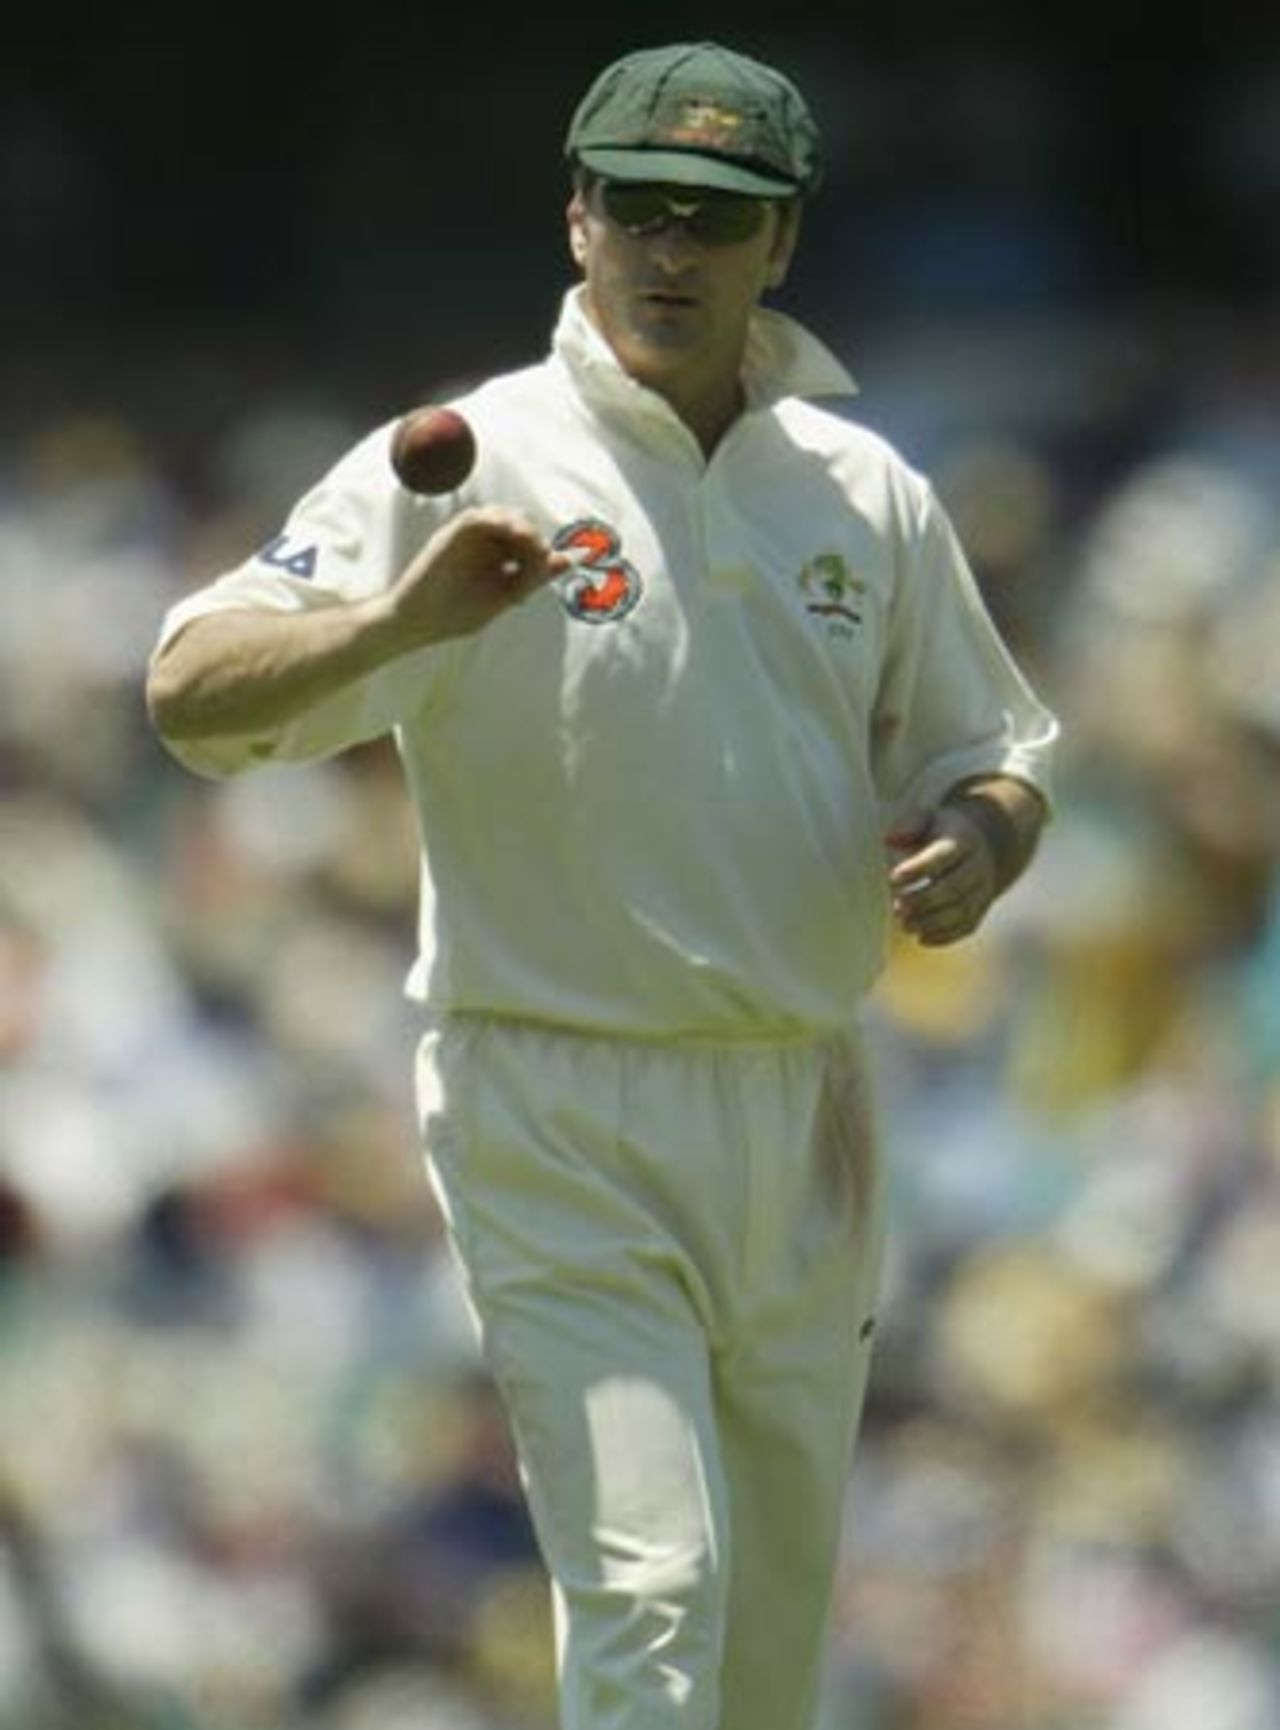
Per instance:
x=251, y=1473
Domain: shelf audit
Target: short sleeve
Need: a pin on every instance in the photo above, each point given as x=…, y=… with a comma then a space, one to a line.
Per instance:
x=346, y=540
x=951, y=701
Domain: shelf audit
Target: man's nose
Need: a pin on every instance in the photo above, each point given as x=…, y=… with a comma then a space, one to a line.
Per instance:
x=674, y=247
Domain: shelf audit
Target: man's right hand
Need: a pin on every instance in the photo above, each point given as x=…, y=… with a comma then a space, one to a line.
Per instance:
x=245, y=672
x=480, y=563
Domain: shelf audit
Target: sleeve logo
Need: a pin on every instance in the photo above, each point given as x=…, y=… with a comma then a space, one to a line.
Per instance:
x=600, y=587
x=298, y=561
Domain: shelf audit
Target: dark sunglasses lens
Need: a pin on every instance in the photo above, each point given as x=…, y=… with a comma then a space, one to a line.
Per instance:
x=716, y=219
x=638, y=209
x=726, y=220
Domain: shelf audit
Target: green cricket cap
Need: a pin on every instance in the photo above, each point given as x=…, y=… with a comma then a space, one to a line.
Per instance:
x=697, y=114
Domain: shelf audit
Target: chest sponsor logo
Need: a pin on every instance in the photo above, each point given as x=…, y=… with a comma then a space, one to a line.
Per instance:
x=601, y=586
x=831, y=592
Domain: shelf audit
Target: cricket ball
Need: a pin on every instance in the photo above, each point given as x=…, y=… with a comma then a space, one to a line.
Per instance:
x=433, y=450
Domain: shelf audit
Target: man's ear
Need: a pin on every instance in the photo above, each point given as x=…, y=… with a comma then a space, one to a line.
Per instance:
x=784, y=244
x=575, y=216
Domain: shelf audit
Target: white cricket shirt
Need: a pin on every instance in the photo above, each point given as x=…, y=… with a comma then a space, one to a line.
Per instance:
x=653, y=798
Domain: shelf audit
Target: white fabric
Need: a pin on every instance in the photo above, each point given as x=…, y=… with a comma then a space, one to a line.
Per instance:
x=673, y=1255
x=670, y=824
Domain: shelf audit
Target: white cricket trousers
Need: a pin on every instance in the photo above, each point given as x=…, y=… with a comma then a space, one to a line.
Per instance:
x=672, y=1254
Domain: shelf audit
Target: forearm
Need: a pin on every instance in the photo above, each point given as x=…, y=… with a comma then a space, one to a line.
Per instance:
x=1010, y=814
x=236, y=673
x=243, y=672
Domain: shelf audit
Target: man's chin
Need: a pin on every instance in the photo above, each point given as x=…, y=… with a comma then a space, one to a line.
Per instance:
x=660, y=335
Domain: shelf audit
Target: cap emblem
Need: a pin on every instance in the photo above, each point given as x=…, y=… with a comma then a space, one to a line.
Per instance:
x=703, y=122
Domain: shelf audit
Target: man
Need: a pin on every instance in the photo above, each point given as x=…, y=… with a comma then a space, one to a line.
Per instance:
x=668, y=672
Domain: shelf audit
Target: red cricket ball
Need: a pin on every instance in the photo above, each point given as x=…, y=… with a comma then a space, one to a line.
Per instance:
x=433, y=450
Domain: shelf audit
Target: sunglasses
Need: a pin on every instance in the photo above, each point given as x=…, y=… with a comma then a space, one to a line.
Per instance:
x=713, y=218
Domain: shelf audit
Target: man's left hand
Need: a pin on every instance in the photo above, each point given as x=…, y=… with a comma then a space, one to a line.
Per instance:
x=978, y=842
x=944, y=885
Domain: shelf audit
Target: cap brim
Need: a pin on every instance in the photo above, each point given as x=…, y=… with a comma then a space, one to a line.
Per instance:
x=685, y=168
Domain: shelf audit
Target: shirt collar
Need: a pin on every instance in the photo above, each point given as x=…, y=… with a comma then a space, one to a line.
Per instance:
x=782, y=359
